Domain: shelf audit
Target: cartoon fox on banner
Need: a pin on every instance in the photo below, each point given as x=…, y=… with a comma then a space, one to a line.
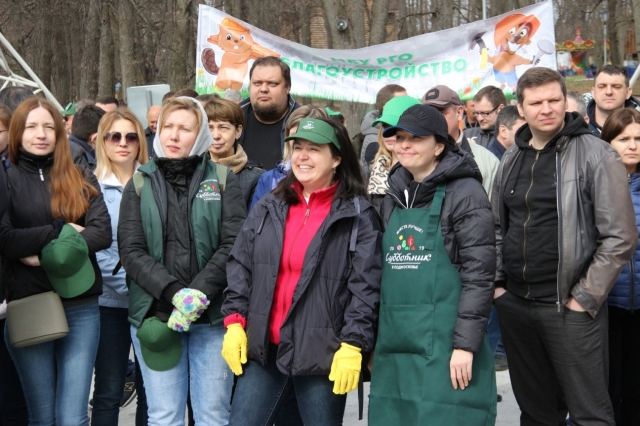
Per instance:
x=510, y=35
x=239, y=47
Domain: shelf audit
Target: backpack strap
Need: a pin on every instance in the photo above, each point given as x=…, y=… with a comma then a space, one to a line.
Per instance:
x=138, y=182
x=222, y=172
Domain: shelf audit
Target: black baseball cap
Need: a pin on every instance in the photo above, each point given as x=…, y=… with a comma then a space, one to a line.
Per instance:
x=420, y=120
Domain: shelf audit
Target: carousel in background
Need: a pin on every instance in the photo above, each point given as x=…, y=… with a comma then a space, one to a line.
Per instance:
x=575, y=62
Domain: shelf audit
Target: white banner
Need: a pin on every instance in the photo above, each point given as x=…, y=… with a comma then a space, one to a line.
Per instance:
x=491, y=52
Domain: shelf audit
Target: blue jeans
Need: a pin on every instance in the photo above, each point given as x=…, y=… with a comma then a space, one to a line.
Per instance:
x=201, y=370
x=111, y=366
x=494, y=334
x=56, y=375
x=262, y=391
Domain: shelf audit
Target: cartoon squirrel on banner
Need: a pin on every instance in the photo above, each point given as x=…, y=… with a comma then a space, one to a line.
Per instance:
x=238, y=46
x=510, y=35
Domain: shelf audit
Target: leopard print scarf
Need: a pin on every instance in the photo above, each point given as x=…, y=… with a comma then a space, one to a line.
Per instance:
x=378, y=183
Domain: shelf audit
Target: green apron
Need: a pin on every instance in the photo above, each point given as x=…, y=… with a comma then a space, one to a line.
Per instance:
x=410, y=382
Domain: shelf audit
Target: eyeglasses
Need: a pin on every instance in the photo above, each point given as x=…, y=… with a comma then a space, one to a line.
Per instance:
x=116, y=137
x=484, y=114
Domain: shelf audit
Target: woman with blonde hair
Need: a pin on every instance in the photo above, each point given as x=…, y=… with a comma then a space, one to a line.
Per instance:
x=51, y=199
x=120, y=149
x=179, y=217
x=271, y=178
x=380, y=167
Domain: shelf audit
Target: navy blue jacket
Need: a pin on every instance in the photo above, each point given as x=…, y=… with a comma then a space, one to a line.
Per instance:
x=625, y=292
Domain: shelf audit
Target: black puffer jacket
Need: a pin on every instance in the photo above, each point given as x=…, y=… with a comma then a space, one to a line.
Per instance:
x=27, y=227
x=336, y=299
x=468, y=232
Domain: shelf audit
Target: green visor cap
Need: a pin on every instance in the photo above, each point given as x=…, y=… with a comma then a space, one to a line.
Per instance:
x=394, y=108
x=160, y=346
x=66, y=262
x=70, y=109
x=316, y=131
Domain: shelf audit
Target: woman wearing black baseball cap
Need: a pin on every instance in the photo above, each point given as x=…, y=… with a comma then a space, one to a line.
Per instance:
x=304, y=277
x=437, y=283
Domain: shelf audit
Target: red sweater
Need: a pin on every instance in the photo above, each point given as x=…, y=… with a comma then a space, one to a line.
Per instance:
x=303, y=222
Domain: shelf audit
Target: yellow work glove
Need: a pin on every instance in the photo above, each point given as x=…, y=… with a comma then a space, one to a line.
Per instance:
x=345, y=369
x=234, y=348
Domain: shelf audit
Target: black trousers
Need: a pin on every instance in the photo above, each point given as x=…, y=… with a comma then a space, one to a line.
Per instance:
x=547, y=348
x=624, y=367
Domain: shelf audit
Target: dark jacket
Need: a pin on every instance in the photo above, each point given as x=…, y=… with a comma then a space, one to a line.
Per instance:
x=175, y=184
x=625, y=293
x=28, y=226
x=594, y=127
x=596, y=223
x=467, y=230
x=149, y=136
x=248, y=178
x=247, y=109
x=82, y=153
x=480, y=136
x=268, y=181
x=336, y=299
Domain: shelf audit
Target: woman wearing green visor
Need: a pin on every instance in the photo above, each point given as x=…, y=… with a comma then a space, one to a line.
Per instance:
x=304, y=278
x=379, y=168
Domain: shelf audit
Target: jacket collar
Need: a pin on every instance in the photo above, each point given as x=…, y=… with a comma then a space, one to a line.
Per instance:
x=235, y=162
x=87, y=148
x=111, y=181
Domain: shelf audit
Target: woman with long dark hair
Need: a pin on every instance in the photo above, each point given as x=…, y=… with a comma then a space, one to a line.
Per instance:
x=622, y=131
x=49, y=197
x=303, y=281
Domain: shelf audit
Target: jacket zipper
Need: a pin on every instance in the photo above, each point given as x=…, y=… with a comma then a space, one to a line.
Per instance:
x=559, y=208
x=524, y=228
x=41, y=175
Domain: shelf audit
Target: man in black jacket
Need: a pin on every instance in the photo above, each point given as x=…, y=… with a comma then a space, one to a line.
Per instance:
x=610, y=92
x=266, y=111
x=568, y=227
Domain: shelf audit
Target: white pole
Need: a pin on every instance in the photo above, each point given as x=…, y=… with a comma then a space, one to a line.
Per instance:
x=484, y=9
x=33, y=75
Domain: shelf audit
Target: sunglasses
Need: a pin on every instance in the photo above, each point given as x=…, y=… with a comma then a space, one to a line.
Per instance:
x=116, y=137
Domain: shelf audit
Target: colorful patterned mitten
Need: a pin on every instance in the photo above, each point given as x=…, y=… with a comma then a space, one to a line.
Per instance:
x=191, y=303
x=178, y=321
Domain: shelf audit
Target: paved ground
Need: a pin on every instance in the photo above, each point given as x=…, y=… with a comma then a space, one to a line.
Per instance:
x=508, y=412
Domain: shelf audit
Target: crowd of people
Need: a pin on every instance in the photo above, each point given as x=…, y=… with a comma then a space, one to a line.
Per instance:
x=262, y=264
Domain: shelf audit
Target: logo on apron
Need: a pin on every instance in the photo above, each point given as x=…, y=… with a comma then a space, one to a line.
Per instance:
x=403, y=255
